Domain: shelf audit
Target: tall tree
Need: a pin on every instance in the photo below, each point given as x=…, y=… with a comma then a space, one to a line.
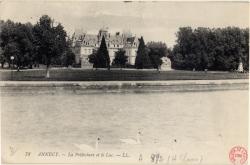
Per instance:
x=50, y=41
x=25, y=40
x=120, y=58
x=142, y=59
x=44, y=40
x=100, y=59
x=7, y=39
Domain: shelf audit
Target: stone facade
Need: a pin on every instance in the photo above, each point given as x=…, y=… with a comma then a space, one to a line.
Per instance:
x=84, y=44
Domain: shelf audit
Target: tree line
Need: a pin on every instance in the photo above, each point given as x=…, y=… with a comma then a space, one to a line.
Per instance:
x=217, y=49
x=30, y=45
x=213, y=49
x=195, y=49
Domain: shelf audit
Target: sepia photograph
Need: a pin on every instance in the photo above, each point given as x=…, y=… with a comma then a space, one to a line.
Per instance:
x=124, y=82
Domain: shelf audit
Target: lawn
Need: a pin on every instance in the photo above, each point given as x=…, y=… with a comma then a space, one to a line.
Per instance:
x=116, y=75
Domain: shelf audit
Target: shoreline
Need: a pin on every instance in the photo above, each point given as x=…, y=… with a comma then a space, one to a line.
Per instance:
x=77, y=75
x=79, y=87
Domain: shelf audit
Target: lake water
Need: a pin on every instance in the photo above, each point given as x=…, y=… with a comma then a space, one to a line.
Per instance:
x=204, y=123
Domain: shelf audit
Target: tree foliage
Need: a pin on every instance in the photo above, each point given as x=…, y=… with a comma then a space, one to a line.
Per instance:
x=42, y=43
x=142, y=59
x=213, y=49
x=17, y=41
x=157, y=50
x=100, y=59
x=2, y=57
x=93, y=57
x=51, y=43
x=50, y=40
x=67, y=58
x=120, y=58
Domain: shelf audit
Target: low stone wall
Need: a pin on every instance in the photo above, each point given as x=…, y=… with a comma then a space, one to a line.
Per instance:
x=120, y=86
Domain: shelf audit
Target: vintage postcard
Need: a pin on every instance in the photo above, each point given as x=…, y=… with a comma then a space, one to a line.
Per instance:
x=124, y=82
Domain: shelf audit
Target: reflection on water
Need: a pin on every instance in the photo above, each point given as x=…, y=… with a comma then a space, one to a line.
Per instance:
x=199, y=120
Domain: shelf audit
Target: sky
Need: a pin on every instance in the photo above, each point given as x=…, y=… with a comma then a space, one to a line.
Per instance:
x=155, y=21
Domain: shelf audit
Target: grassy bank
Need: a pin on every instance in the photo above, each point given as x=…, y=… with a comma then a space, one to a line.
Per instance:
x=115, y=75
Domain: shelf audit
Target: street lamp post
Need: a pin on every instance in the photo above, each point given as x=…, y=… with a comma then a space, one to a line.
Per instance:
x=12, y=59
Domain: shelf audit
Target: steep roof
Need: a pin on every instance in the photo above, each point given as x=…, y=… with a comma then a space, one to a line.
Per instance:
x=132, y=42
x=131, y=39
x=115, y=39
x=92, y=40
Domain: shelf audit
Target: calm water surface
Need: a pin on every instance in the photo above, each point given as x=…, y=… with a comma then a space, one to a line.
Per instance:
x=197, y=120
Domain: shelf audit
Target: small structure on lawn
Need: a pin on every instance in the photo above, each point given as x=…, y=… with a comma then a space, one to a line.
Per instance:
x=240, y=66
x=166, y=63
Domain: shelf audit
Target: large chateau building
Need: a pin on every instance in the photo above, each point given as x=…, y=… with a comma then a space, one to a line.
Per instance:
x=84, y=44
